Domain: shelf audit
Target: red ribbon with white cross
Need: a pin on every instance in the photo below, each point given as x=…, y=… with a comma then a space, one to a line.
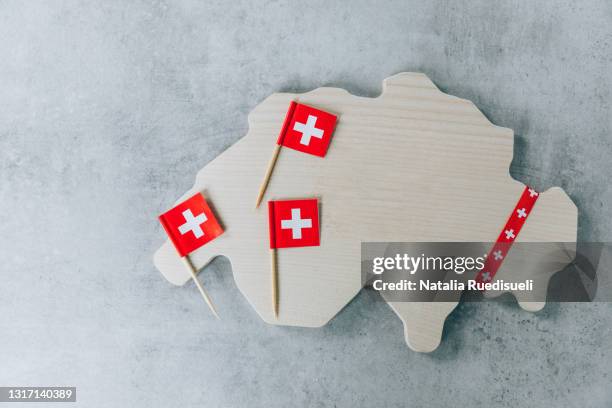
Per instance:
x=508, y=235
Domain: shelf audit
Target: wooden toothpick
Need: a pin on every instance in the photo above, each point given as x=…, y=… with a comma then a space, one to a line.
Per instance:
x=194, y=276
x=274, y=282
x=266, y=179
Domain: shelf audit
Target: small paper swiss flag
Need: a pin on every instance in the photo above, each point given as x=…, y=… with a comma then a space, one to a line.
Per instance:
x=307, y=129
x=190, y=224
x=294, y=223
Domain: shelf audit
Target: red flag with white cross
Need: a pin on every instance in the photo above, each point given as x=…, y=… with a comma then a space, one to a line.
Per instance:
x=307, y=129
x=294, y=223
x=191, y=224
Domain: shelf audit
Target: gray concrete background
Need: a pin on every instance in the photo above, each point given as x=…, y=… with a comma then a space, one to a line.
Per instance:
x=108, y=109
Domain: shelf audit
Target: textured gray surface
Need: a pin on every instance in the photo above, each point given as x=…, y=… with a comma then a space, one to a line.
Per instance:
x=108, y=110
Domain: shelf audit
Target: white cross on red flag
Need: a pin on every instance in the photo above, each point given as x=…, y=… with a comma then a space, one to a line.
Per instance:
x=190, y=224
x=307, y=129
x=293, y=223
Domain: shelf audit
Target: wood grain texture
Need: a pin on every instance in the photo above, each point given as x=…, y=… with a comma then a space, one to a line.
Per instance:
x=413, y=164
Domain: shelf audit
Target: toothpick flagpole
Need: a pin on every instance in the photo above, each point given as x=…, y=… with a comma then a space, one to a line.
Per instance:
x=266, y=180
x=194, y=276
x=274, y=282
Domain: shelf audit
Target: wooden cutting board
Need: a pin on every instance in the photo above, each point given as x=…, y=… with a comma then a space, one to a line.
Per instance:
x=413, y=164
